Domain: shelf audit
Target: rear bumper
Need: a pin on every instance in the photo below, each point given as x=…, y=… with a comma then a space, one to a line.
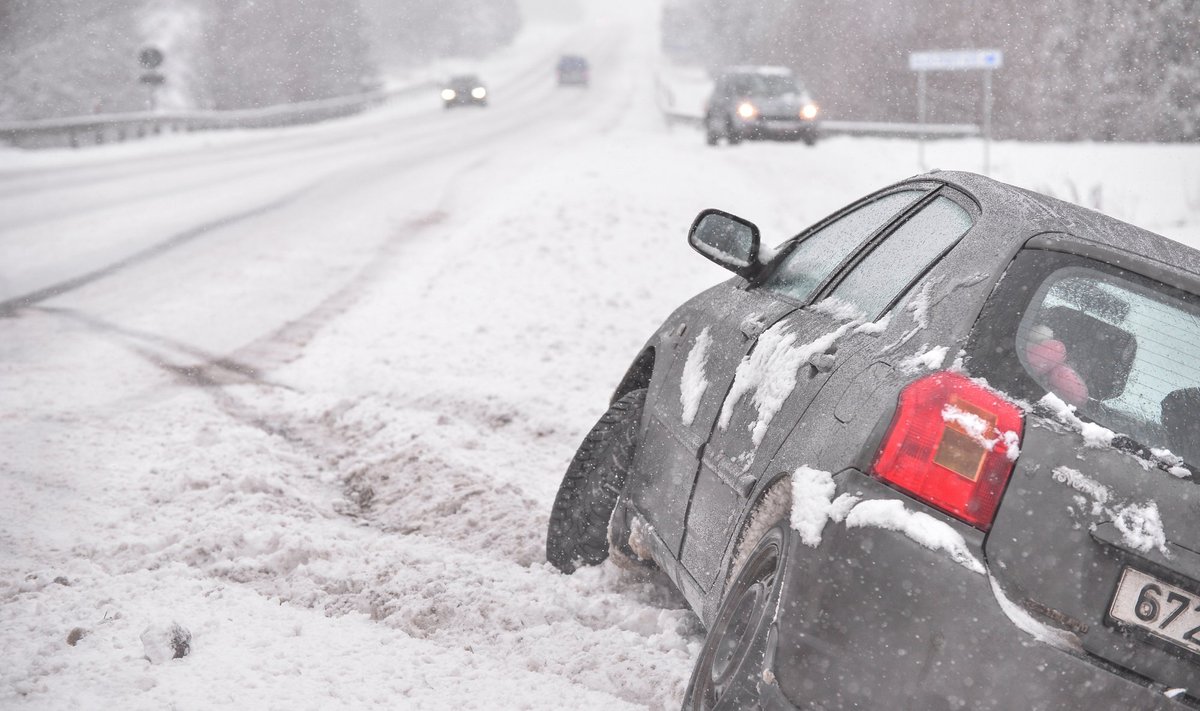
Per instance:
x=872, y=619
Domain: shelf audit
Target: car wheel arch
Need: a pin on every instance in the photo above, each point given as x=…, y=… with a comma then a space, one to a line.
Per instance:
x=638, y=375
x=770, y=505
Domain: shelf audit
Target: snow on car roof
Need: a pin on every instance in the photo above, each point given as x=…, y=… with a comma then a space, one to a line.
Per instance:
x=759, y=69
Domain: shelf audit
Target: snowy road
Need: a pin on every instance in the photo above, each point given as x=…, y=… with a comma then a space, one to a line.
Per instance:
x=309, y=392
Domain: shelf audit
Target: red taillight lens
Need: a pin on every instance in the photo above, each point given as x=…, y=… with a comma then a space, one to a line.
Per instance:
x=952, y=444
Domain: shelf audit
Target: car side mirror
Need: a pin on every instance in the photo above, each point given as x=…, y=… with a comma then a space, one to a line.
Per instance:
x=727, y=240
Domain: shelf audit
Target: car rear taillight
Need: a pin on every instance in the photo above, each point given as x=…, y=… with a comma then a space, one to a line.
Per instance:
x=952, y=444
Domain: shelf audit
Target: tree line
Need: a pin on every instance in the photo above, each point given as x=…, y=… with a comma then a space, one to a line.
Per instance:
x=1073, y=69
x=74, y=57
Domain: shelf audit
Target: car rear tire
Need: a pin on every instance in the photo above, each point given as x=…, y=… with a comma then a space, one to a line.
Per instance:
x=730, y=665
x=578, y=530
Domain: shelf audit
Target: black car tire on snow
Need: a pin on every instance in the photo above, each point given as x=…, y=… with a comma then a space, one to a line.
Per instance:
x=730, y=665
x=578, y=531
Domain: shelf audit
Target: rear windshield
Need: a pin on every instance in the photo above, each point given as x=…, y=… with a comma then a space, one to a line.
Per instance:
x=1122, y=349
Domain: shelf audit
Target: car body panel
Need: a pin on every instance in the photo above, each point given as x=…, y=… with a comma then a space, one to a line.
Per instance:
x=874, y=619
x=737, y=454
x=869, y=613
x=1070, y=580
x=670, y=453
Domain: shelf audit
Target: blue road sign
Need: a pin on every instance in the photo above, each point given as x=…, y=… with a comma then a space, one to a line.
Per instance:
x=956, y=60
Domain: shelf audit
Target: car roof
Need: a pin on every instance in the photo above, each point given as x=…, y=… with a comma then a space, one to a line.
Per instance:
x=757, y=69
x=465, y=79
x=1022, y=214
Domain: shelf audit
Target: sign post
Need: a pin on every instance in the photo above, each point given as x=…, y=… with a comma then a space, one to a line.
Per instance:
x=985, y=60
x=151, y=58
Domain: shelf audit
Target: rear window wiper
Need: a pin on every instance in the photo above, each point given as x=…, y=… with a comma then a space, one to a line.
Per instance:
x=1129, y=445
x=1125, y=443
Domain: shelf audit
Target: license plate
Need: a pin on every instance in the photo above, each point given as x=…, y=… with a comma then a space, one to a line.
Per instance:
x=1163, y=610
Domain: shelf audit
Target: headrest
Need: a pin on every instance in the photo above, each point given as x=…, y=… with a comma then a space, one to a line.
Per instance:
x=1181, y=420
x=1100, y=353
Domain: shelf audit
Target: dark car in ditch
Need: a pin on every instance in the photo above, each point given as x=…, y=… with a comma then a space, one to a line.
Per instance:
x=938, y=451
x=759, y=103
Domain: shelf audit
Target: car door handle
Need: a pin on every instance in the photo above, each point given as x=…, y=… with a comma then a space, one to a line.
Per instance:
x=753, y=326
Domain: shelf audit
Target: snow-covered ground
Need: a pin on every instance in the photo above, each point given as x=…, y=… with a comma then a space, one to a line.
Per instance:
x=309, y=392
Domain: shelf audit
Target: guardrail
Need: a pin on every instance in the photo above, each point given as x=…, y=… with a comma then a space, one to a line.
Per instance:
x=907, y=130
x=852, y=128
x=861, y=128
x=79, y=131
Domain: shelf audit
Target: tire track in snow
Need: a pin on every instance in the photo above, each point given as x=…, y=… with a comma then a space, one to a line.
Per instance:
x=11, y=306
x=389, y=163
x=430, y=540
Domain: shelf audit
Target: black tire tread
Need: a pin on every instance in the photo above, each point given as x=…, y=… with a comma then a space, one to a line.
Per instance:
x=578, y=530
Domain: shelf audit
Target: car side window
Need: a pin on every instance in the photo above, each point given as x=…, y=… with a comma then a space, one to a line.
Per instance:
x=888, y=270
x=814, y=259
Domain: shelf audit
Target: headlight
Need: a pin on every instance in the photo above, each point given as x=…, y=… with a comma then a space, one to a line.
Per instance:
x=809, y=111
x=747, y=111
x=479, y=92
x=448, y=95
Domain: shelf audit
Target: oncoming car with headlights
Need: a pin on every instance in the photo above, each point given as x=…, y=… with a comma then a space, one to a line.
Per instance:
x=464, y=90
x=938, y=451
x=759, y=103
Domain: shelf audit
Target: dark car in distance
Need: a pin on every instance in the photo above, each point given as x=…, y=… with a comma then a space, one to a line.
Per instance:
x=464, y=90
x=572, y=70
x=938, y=451
x=759, y=103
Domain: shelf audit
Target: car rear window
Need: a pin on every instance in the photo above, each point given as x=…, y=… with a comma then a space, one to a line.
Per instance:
x=1122, y=349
